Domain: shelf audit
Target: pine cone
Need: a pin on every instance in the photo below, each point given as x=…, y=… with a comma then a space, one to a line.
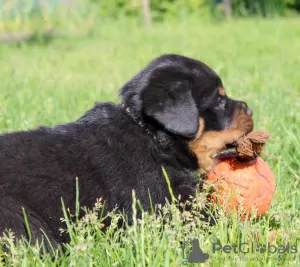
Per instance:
x=251, y=145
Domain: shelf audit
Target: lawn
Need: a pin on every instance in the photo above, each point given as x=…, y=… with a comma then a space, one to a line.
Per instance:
x=258, y=60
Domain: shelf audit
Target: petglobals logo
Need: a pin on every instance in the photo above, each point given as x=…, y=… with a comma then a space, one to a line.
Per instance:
x=247, y=248
x=242, y=251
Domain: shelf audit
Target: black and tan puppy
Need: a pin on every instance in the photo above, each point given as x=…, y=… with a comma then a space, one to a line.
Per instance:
x=172, y=109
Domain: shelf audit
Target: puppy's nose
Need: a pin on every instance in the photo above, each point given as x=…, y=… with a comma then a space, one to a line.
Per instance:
x=249, y=112
x=246, y=109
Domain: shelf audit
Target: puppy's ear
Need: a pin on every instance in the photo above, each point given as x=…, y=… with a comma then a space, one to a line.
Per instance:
x=171, y=104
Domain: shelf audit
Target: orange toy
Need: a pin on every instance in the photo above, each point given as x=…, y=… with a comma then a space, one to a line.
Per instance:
x=243, y=183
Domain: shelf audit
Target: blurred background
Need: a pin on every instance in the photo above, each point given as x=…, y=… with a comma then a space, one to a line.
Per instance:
x=59, y=57
x=29, y=19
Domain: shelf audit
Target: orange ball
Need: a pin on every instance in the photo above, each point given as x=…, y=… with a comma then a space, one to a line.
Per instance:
x=244, y=186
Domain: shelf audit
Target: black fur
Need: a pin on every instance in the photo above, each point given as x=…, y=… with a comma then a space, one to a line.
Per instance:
x=113, y=148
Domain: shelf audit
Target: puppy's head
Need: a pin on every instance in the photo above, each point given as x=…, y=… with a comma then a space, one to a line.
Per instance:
x=180, y=93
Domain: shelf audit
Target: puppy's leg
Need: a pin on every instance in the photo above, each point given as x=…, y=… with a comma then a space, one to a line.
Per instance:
x=12, y=219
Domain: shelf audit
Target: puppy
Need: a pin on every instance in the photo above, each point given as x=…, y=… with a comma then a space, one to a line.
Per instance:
x=174, y=109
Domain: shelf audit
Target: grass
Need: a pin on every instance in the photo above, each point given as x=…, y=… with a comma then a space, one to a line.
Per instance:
x=258, y=61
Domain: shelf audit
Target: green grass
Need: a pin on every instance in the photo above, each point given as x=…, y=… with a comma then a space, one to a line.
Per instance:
x=258, y=61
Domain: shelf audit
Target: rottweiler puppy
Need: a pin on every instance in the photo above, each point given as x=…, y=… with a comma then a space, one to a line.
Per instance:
x=173, y=114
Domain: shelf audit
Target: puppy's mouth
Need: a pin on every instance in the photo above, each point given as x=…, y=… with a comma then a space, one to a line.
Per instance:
x=229, y=147
x=227, y=152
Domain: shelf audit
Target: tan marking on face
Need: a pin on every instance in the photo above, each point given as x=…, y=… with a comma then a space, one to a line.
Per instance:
x=242, y=121
x=207, y=143
x=212, y=142
x=201, y=128
x=199, y=133
x=221, y=91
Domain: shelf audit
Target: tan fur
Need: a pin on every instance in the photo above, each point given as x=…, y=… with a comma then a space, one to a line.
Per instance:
x=221, y=91
x=208, y=143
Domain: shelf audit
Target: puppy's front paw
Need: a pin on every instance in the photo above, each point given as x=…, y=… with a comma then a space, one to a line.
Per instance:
x=206, y=163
